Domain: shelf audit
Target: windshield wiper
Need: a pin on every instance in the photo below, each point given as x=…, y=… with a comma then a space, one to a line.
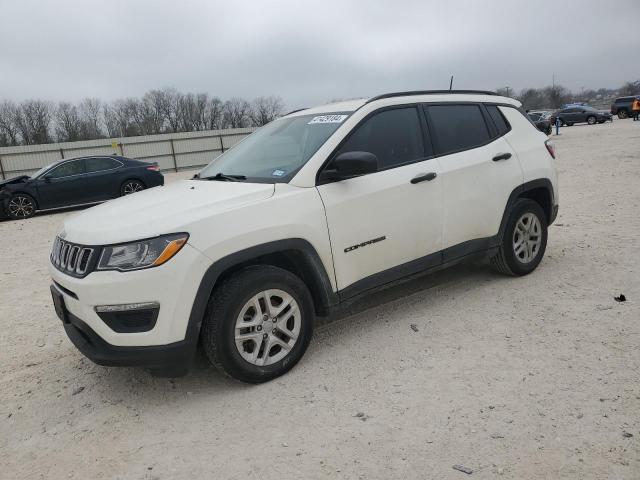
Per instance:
x=226, y=178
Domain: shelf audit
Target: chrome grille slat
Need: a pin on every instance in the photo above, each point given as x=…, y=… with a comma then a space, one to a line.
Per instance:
x=71, y=258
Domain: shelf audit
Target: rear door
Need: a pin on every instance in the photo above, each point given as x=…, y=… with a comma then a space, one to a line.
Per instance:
x=102, y=178
x=63, y=185
x=479, y=170
x=382, y=225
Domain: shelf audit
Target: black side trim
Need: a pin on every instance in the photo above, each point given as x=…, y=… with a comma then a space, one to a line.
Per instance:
x=317, y=277
x=433, y=262
x=391, y=275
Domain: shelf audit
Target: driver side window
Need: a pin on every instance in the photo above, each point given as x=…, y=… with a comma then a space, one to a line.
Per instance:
x=394, y=136
x=75, y=167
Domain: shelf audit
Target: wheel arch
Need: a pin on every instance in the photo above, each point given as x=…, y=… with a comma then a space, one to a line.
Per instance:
x=540, y=191
x=128, y=178
x=25, y=192
x=296, y=255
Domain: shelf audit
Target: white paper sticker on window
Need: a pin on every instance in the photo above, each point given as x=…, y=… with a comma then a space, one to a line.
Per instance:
x=328, y=119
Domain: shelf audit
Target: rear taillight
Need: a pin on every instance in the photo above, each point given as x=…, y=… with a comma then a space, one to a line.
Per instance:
x=153, y=168
x=550, y=148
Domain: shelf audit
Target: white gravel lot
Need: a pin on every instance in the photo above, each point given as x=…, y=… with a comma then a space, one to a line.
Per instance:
x=521, y=378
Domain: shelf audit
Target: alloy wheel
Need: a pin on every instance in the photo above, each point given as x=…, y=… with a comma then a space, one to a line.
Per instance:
x=527, y=237
x=267, y=327
x=132, y=187
x=21, y=207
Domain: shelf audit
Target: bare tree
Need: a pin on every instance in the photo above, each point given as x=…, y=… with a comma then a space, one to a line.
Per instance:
x=265, y=110
x=213, y=114
x=34, y=121
x=9, y=113
x=119, y=117
x=90, y=116
x=630, y=88
x=235, y=113
x=68, y=125
x=147, y=113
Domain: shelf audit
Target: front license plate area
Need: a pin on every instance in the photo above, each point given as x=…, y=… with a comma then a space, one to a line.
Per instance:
x=58, y=304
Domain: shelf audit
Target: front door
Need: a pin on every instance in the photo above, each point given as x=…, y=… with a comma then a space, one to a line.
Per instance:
x=63, y=185
x=381, y=225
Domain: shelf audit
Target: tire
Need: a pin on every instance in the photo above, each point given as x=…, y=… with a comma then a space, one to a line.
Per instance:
x=242, y=298
x=591, y=120
x=622, y=114
x=509, y=260
x=569, y=124
x=131, y=186
x=21, y=206
x=549, y=131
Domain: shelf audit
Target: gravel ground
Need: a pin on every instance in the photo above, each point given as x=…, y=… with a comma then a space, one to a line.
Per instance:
x=526, y=378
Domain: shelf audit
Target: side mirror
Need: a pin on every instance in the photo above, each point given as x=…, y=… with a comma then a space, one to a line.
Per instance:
x=350, y=164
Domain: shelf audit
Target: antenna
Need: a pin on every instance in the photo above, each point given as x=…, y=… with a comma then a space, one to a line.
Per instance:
x=451, y=83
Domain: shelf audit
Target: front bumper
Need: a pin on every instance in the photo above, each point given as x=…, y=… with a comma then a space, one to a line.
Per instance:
x=166, y=343
x=176, y=355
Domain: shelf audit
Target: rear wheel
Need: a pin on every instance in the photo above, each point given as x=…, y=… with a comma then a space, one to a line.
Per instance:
x=591, y=120
x=622, y=114
x=131, y=186
x=21, y=206
x=258, y=324
x=524, y=240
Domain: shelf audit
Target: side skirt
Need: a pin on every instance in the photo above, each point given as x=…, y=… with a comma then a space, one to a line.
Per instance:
x=468, y=251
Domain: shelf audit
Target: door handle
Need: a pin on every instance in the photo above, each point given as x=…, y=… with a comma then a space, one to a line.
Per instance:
x=424, y=177
x=501, y=156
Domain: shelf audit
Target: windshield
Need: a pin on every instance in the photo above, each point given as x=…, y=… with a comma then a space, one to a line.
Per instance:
x=42, y=170
x=275, y=152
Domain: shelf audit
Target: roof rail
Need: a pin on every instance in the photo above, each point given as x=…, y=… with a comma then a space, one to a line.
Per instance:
x=429, y=92
x=296, y=111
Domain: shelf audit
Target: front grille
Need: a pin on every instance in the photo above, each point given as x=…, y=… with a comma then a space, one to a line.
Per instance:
x=72, y=259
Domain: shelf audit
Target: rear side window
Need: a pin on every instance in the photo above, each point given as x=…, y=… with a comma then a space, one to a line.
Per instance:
x=98, y=164
x=394, y=136
x=501, y=123
x=457, y=127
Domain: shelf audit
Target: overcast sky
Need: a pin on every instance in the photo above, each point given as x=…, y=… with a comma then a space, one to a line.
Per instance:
x=309, y=52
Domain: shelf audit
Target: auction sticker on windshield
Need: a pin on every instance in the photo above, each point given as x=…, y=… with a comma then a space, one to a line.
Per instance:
x=328, y=119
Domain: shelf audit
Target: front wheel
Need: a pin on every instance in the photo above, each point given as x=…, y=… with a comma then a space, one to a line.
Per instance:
x=258, y=324
x=21, y=206
x=622, y=114
x=131, y=186
x=591, y=120
x=524, y=240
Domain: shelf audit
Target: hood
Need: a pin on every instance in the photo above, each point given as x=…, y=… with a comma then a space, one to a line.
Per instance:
x=169, y=209
x=20, y=179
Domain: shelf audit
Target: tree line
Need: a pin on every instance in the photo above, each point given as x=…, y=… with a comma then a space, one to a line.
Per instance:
x=554, y=96
x=167, y=110
x=164, y=110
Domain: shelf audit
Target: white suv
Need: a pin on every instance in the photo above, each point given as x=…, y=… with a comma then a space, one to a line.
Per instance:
x=313, y=209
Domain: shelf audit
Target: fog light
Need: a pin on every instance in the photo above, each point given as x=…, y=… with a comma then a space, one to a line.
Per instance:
x=129, y=317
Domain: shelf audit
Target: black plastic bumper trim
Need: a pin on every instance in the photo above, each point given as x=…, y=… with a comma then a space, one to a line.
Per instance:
x=91, y=345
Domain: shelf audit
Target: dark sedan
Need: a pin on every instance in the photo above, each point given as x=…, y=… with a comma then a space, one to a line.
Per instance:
x=76, y=181
x=541, y=121
x=581, y=114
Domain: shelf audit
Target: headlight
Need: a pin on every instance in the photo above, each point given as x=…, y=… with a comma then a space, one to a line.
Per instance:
x=142, y=254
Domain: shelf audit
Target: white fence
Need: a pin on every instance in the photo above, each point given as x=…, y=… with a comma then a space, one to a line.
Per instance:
x=172, y=151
